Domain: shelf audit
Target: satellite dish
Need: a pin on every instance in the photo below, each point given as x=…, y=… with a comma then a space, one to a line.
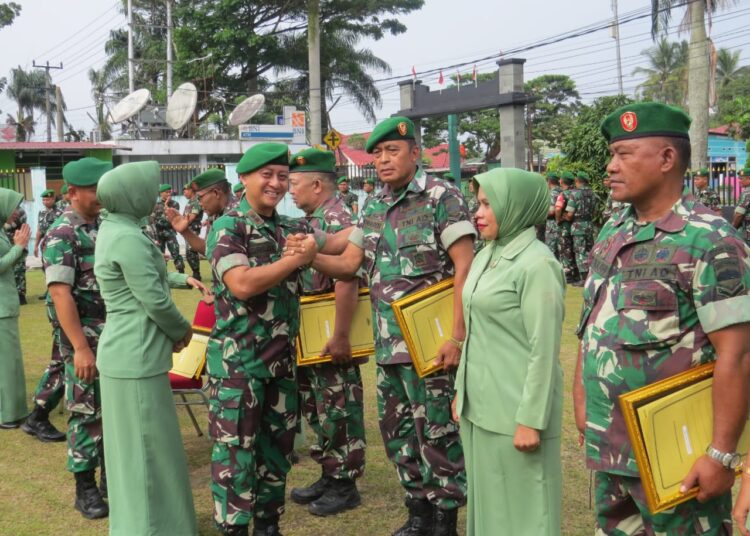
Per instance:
x=182, y=105
x=246, y=109
x=129, y=106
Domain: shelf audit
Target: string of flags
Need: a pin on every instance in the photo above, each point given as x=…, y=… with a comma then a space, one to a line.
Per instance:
x=441, y=78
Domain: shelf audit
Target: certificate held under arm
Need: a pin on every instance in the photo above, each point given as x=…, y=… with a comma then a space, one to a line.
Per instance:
x=670, y=425
x=317, y=321
x=426, y=321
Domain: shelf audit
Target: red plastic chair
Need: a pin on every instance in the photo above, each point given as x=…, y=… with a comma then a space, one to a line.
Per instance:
x=192, y=391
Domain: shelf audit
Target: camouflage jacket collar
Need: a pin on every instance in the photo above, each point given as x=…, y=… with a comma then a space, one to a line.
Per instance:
x=326, y=205
x=76, y=220
x=416, y=185
x=673, y=222
x=256, y=218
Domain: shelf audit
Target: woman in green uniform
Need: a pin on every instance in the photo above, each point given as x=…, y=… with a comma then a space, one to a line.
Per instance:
x=149, y=488
x=509, y=382
x=12, y=383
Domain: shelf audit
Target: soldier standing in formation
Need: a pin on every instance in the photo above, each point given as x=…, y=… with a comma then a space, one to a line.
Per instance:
x=253, y=391
x=741, y=218
x=238, y=190
x=16, y=220
x=194, y=215
x=79, y=309
x=415, y=232
x=552, y=228
x=567, y=254
x=64, y=201
x=369, y=187
x=705, y=194
x=45, y=219
x=330, y=393
x=668, y=289
x=580, y=213
x=164, y=233
x=350, y=199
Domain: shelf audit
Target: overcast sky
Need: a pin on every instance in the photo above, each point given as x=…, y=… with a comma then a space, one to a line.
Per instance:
x=443, y=33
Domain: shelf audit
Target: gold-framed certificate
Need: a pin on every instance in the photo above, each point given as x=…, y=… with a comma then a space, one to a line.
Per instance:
x=318, y=320
x=189, y=362
x=670, y=425
x=426, y=321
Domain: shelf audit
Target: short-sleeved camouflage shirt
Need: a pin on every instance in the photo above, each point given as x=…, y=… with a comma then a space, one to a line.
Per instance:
x=653, y=293
x=743, y=207
x=69, y=258
x=254, y=337
x=46, y=218
x=405, y=236
x=193, y=206
x=159, y=216
x=581, y=203
x=709, y=198
x=350, y=199
x=332, y=216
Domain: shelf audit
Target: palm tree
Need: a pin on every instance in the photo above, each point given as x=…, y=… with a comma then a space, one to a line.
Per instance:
x=727, y=66
x=699, y=79
x=99, y=86
x=666, y=73
x=28, y=90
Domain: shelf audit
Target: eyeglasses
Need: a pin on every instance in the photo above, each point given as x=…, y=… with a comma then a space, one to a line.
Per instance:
x=204, y=194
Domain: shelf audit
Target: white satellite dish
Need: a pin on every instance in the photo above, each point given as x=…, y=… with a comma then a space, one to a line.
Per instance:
x=130, y=105
x=182, y=105
x=246, y=109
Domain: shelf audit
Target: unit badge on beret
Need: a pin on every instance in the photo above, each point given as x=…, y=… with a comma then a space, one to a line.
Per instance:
x=629, y=121
x=402, y=128
x=300, y=160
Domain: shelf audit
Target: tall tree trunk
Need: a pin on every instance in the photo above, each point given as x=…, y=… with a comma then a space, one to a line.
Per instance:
x=698, y=84
x=313, y=55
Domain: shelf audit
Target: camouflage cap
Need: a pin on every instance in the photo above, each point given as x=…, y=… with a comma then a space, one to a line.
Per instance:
x=313, y=160
x=263, y=154
x=238, y=187
x=644, y=119
x=393, y=128
x=85, y=172
x=48, y=193
x=165, y=188
x=342, y=179
x=208, y=178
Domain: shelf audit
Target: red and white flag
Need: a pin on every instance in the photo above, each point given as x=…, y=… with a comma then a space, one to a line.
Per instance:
x=474, y=75
x=414, y=72
x=458, y=79
x=441, y=80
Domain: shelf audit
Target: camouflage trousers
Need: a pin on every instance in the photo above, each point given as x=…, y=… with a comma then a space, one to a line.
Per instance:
x=583, y=241
x=567, y=254
x=552, y=237
x=252, y=422
x=19, y=272
x=83, y=400
x=193, y=260
x=169, y=241
x=621, y=510
x=331, y=400
x=420, y=436
x=51, y=387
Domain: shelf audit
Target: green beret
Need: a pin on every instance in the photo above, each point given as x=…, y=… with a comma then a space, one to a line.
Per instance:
x=643, y=119
x=568, y=177
x=165, y=188
x=238, y=187
x=263, y=154
x=583, y=175
x=48, y=193
x=703, y=172
x=342, y=179
x=393, y=128
x=313, y=160
x=208, y=178
x=553, y=175
x=449, y=176
x=744, y=172
x=64, y=189
x=85, y=172
x=370, y=180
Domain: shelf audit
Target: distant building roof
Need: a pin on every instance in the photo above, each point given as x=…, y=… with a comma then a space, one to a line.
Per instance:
x=53, y=146
x=723, y=130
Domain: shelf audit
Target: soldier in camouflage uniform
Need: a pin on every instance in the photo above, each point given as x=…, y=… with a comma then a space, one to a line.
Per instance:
x=415, y=232
x=238, y=190
x=369, y=187
x=665, y=292
x=350, y=199
x=580, y=212
x=567, y=253
x=79, y=309
x=16, y=220
x=45, y=218
x=253, y=392
x=704, y=194
x=741, y=218
x=164, y=232
x=194, y=214
x=64, y=201
x=552, y=229
x=330, y=393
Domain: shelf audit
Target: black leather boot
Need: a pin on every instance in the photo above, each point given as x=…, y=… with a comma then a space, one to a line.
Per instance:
x=234, y=530
x=311, y=492
x=88, y=499
x=267, y=527
x=445, y=522
x=340, y=495
x=420, y=521
x=38, y=425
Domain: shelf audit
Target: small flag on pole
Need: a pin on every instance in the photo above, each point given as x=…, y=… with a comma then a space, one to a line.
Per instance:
x=413, y=76
x=441, y=81
x=474, y=75
x=458, y=79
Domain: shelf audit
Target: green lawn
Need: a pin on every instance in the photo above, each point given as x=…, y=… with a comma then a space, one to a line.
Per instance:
x=38, y=492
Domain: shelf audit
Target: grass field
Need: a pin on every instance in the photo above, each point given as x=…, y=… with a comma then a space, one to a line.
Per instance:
x=37, y=492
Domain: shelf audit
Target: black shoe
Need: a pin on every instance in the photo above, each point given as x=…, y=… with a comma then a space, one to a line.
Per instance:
x=341, y=495
x=88, y=499
x=22, y=298
x=294, y=458
x=578, y=283
x=197, y=277
x=445, y=522
x=38, y=425
x=10, y=425
x=234, y=530
x=311, y=492
x=267, y=527
x=420, y=522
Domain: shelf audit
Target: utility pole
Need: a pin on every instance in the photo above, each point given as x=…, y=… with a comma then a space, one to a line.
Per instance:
x=616, y=35
x=169, y=50
x=47, y=96
x=131, y=82
x=59, y=121
x=313, y=55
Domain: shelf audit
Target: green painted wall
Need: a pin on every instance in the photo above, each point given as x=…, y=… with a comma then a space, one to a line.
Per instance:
x=101, y=154
x=7, y=159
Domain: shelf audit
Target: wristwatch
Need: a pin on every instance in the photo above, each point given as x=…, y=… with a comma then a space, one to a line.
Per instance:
x=729, y=460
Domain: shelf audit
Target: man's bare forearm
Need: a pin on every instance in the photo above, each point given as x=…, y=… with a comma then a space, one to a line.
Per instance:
x=346, y=303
